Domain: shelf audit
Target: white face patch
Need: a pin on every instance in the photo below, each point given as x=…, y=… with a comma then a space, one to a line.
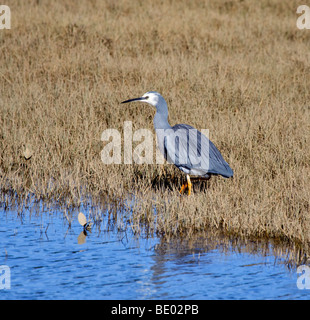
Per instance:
x=151, y=98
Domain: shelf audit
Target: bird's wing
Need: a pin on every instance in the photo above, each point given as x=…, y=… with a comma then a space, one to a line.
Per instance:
x=188, y=148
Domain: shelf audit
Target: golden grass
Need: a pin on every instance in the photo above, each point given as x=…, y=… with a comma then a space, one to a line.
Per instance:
x=238, y=68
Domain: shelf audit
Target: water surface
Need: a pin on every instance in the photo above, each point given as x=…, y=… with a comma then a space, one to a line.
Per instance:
x=46, y=262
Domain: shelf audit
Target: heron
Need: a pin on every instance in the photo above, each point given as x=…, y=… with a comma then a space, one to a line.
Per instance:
x=184, y=146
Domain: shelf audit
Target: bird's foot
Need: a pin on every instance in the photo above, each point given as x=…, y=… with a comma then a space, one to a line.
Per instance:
x=184, y=186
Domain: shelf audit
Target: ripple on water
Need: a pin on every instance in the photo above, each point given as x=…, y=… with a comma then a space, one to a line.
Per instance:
x=47, y=262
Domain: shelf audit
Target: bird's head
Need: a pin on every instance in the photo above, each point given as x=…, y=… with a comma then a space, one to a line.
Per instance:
x=151, y=97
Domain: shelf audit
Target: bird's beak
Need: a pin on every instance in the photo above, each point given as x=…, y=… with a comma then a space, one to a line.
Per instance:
x=131, y=100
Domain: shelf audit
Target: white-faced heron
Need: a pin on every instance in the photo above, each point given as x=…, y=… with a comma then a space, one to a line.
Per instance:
x=184, y=146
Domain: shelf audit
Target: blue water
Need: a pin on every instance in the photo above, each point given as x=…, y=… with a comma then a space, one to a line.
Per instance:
x=46, y=262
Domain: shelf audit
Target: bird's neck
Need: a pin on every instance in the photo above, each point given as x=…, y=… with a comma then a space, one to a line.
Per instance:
x=161, y=117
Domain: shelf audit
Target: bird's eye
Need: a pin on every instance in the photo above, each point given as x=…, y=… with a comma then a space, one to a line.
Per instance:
x=146, y=97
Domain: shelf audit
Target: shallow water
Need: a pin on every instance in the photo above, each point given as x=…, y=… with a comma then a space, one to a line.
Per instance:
x=46, y=262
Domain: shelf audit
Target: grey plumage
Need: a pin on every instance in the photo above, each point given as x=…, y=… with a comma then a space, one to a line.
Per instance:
x=195, y=154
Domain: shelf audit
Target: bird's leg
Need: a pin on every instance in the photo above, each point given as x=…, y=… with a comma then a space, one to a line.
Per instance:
x=189, y=184
x=184, y=186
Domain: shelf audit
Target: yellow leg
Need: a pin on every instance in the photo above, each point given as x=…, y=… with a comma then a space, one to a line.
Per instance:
x=184, y=186
x=189, y=184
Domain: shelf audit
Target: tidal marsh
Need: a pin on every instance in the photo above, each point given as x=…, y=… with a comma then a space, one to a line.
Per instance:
x=241, y=68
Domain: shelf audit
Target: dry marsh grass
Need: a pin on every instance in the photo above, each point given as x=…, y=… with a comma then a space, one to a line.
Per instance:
x=238, y=68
